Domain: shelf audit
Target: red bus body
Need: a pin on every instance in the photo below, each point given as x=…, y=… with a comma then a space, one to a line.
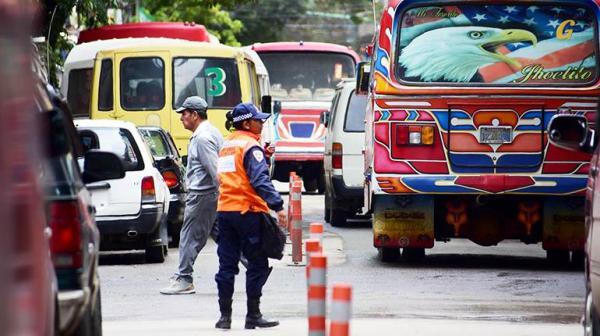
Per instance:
x=180, y=30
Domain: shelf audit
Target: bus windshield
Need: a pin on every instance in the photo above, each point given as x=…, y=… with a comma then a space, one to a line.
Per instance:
x=509, y=44
x=214, y=79
x=306, y=75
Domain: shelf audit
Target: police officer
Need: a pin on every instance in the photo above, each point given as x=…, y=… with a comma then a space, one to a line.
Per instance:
x=245, y=192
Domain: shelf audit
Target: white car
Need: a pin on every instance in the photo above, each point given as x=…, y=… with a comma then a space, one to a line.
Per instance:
x=343, y=160
x=131, y=212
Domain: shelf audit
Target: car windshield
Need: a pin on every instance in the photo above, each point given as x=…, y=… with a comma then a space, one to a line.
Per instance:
x=214, y=79
x=115, y=140
x=509, y=44
x=306, y=75
x=156, y=142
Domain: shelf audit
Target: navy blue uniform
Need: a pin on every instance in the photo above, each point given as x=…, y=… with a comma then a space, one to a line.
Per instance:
x=240, y=233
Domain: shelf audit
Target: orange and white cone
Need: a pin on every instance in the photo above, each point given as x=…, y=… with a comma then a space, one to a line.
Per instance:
x=316, y=231
x=317, y=291
x=296, y=221
x=340, y=310
x=311, y=246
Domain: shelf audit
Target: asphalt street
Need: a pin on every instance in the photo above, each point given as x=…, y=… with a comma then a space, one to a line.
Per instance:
x=459, y=289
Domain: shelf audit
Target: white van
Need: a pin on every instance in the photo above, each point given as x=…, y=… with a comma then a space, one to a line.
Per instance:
x=343, y=161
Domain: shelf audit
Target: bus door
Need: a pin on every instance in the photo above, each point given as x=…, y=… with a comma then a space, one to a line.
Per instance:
x=143, y=89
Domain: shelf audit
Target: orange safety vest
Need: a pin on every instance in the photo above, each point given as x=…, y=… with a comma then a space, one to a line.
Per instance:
x=235, y=191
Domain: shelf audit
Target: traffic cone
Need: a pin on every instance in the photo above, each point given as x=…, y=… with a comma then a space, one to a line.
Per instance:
x=339, y=324
x=296, y=222
x=317, y=290
x=316, y=231
x=312, y=246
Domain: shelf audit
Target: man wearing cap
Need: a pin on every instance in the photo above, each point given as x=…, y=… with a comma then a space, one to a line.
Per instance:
x=203, y=191
x=246, y=193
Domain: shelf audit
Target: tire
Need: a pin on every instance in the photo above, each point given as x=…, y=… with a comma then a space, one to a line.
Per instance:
x=388, y=255
x=413, y=254
x=155, y=254
x=310, y=183
x=174, y=240
x=321, y=183
x=338, y=217
x=327, y=212
x=557, y=257
x=91, y=321
x=591, y=321
x=578, y=258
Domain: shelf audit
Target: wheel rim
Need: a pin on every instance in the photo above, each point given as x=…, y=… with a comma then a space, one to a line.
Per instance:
x=588, y=327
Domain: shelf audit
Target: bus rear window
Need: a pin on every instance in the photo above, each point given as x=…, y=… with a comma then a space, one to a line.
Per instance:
x=142, y=83
x=306, y=75
x=507, y=44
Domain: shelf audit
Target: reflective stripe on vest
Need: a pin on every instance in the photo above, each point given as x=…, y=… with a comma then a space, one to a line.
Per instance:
x=235, y=191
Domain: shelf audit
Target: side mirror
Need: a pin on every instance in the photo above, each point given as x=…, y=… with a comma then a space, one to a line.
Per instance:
x=571, y=132
x=265, y=104
x=324, y=118
x=363, y=73
x=277, y=107
x=100, y=166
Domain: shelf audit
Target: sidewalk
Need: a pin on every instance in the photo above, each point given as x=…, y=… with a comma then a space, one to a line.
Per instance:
x=359, y=327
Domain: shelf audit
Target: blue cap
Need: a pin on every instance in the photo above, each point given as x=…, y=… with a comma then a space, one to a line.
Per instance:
x=193, y=103
x=245, y=111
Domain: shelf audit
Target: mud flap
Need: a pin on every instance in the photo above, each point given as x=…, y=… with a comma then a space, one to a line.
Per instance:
x=403, y=221
x=564, y=225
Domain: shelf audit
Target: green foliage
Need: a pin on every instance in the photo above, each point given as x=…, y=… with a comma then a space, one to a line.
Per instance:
x=212, y=14
x=264, y=21
x=308, y=20
x=91, y=13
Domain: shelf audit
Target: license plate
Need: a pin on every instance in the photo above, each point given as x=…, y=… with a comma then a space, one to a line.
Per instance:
x=495, y=134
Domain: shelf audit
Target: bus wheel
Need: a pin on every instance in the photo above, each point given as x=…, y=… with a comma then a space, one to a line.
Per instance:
x=388, y=255
x=327, y=213
x=321, y=184
x=413, y=254
x=557, y=257
x=310, y=183
x=578, y=258
x=338, y=217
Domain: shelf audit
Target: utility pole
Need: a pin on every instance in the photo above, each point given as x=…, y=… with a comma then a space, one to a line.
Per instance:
x=137, y=10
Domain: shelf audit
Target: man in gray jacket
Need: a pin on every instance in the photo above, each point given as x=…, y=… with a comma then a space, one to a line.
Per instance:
x=203, y=191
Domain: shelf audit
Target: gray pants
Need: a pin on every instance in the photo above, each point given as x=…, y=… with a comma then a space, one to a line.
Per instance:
x=198, y=219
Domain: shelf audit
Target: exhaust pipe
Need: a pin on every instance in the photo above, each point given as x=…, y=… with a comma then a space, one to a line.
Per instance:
x=481, y=200
x=132, y=233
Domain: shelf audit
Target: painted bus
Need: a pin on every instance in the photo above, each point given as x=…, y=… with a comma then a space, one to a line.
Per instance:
x=460, y=96
x=303, y=77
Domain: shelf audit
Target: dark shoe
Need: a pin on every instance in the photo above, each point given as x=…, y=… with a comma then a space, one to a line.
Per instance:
x=255, y=319
x=224, y=321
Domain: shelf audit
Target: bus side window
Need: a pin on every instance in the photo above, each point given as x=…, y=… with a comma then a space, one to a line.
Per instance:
x=105, y=92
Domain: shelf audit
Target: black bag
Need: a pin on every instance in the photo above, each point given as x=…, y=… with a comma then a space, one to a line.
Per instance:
x=272, y=237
